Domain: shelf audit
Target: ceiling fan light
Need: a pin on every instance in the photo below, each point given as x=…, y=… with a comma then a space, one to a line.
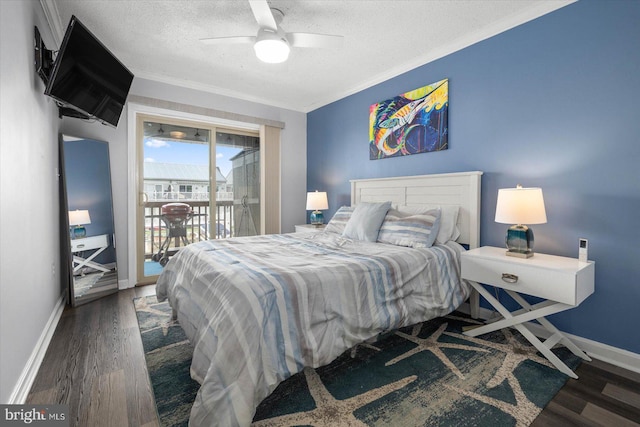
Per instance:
x=271, y=51
x=271, y=48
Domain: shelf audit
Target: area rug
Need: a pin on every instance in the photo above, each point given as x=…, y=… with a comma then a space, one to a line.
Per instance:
x=424, y=375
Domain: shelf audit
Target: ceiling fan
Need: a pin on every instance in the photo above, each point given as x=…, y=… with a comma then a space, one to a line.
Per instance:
x=272, y=44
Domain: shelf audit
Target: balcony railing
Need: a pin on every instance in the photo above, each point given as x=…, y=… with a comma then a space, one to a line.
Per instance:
x=172, y=196
x=197, y=226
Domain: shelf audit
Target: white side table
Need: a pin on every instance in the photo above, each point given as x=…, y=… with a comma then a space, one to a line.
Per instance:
x=563, y=282
x=310, y=228
x=97, y=244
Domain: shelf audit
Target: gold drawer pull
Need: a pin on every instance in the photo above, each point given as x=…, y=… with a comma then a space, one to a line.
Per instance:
x=509, y=278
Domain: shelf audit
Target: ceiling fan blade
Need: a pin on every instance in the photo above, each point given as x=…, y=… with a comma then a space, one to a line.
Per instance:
x=263, y=14
x=314, y=40
x=229, y=40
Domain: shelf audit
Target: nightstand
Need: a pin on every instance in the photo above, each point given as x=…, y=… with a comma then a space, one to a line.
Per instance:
x=97, y=244
x=563, y=282
x=310, y=228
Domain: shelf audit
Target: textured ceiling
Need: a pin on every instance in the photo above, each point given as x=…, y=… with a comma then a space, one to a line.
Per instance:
x=159, y=40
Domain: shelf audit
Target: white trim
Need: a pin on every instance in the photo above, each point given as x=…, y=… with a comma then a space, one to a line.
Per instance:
x=597, y=350
x=613, y=355
x=28, y=375
x=124, y=284
x=52, y=15
x=132, y=193
x=537, y=10
x=190, y=84
x=225, y=117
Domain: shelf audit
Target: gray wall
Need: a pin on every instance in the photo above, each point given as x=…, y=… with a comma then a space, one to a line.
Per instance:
x=293, y=150
x=30, y=286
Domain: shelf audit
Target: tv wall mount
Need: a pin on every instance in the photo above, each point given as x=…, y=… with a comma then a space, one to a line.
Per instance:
x=43, y=57
x=44, y=65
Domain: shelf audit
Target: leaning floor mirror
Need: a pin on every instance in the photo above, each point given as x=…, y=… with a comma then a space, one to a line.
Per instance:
x=87, y=228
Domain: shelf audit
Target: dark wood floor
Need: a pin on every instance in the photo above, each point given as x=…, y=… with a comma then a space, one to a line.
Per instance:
x=96, y=365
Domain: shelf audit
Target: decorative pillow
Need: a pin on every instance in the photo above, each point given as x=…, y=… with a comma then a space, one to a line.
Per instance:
x=339, y=220
x=415, y=231
x=366, y=220
x=448, y=220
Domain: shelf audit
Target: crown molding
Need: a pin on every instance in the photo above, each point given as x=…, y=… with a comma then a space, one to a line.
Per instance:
x=189, y=84
x=537, y=10
x=53, y=19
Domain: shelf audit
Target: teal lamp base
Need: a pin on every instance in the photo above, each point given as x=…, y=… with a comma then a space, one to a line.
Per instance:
x=316, y=218
x=519, y=241
x=78, y=232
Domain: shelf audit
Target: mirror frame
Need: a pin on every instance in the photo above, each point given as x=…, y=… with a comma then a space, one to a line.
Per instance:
x=110, y=286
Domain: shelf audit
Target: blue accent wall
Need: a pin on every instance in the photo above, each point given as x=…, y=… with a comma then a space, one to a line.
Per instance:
x=553, y=103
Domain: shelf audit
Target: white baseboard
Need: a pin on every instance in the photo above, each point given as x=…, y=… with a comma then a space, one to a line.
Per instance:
x=28, y=376
x=597, y=350
x=124, y=284
x=613, y=355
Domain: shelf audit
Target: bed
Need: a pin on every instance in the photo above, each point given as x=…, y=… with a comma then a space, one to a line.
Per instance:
x=260, y=309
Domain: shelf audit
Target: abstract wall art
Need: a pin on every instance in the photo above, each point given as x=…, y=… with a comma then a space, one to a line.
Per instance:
x=411, y=123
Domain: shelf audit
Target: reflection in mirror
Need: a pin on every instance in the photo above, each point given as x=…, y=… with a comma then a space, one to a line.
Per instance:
x=87, y=217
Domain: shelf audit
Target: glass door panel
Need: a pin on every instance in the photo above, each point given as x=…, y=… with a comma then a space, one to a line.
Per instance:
x=175, y=187
x=238, y=199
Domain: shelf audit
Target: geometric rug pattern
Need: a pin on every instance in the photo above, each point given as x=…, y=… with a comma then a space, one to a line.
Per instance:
x=428, y=374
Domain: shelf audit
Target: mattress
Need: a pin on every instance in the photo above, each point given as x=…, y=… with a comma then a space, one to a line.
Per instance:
x=259, y=309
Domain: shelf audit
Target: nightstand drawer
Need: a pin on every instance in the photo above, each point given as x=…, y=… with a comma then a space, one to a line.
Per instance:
x=89, y=243
x=566, y=285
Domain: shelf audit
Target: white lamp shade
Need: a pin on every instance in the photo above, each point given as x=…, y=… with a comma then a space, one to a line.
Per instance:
x=79, y=217
x=271, y=47
x=317, y=200
x=520, y=206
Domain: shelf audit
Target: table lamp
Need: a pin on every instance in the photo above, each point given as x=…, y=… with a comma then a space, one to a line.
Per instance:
x=520, y=206
x=316, y=201
x=77, y=219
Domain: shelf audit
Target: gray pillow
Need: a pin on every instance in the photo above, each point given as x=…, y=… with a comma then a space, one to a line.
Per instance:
x=339, y=220
x=448, y=220
x=365, y=221
x=415, y=231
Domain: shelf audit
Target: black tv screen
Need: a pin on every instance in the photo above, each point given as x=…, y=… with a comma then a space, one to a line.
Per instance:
x=87, y=78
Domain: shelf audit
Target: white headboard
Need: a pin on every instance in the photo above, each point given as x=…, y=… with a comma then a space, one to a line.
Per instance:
x=461, y=189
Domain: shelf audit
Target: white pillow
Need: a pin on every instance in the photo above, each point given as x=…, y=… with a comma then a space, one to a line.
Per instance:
x=366, y=220
x=448, y=220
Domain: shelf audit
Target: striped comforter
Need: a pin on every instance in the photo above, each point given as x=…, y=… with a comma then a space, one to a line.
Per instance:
x=259, y=309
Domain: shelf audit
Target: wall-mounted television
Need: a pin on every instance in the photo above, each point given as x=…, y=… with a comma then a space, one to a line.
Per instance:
x=87, y=80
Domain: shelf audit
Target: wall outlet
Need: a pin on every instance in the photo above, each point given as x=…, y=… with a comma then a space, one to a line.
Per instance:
x=53, y=269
